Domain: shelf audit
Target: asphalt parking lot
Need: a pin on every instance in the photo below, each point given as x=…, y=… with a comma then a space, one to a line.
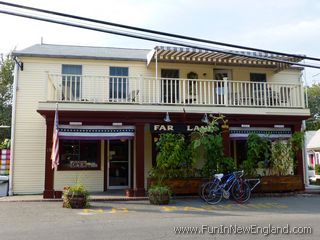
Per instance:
x=140, y=220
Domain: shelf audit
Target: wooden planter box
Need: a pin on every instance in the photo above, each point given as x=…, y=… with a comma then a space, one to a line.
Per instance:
x=181, y=186
x=280, y=184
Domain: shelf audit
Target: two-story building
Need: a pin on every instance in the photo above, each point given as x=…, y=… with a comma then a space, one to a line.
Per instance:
x=113, y=102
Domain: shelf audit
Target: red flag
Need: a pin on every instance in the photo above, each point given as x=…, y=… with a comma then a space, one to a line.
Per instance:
x=55, y=142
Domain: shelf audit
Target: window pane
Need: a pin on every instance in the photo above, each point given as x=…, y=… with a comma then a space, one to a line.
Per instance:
x=118, y=82
x=71, y=85
x=72, y=69
x=76, y=154
x=119, y=71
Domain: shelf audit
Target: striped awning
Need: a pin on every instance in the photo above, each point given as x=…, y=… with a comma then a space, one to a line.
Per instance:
x=226, y=57
x=96, y=132
x=272, y=133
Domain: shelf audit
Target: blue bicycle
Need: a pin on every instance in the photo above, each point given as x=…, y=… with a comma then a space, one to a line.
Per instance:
x=224, y=185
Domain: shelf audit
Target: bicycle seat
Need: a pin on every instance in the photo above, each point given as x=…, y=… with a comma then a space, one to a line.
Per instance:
x=219, y=175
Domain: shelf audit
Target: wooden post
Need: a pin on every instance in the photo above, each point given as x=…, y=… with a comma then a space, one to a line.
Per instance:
x=139, y=189
x=226, y=141
x=299, y=158
x=49, y=172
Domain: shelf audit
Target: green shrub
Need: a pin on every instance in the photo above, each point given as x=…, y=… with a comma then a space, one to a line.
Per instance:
x=317, y=168
x=159, y=194
x=209, y=139
x=258, y=152
x=310, y=168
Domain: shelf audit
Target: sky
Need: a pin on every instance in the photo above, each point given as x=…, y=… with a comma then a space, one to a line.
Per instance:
x=291, y=26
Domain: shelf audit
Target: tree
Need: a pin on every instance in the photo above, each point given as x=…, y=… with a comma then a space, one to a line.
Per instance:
x=314, y=100
x=6, y=81
x=313, y=93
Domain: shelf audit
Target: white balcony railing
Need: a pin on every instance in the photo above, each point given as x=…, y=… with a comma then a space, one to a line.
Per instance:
x=149, y=90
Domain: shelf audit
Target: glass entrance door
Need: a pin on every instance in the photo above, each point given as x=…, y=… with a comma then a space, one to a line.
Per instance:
x=118, y=164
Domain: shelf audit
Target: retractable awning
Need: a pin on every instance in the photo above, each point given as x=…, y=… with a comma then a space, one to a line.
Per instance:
x=264, y=132
x=227, y=57
x=96, y=132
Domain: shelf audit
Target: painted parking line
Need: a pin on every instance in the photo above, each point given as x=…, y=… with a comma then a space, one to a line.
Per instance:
x=118, y=210
x=224, y=207
x=190, y=208
x=103, y=211
x=91, y=211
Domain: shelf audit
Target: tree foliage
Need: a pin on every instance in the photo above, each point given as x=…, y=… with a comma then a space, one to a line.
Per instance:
x=313, y=93
x=314, y=99
x=6, y=81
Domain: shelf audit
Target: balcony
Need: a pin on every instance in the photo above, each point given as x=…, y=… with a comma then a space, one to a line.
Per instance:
x=165, y=91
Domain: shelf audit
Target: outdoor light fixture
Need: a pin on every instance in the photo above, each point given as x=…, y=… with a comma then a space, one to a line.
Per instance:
x=167, y=118
x=75, y=123
x=205, y=118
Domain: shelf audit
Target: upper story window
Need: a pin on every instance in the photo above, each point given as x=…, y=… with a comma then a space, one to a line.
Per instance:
x=258, y=77
x=258, y=80
x=118, y=82
x=71, y=82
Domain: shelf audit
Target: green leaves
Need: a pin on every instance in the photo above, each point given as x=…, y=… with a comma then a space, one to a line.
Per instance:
x=6, y=81
x=281, y=157
x=258, y=151
x=209, y=140
x=173, y=152
x=313, y=93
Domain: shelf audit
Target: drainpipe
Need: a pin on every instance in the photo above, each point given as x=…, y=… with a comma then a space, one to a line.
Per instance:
x=305, y=155
x=13, y=126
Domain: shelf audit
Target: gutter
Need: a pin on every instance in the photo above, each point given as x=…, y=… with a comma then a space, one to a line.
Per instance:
x=13, y=126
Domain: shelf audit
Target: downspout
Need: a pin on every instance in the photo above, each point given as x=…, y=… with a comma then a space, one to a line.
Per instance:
x=156, y=55
x=13, y=126
x=156, y=65
x=305, y=88
x=304, y=129
x=305, y=155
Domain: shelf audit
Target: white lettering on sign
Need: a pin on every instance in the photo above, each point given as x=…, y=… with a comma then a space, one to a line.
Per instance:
x=163, y=128
x=195, y=128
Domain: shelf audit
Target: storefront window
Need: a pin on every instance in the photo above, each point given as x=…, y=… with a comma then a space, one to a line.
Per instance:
x=79, y=155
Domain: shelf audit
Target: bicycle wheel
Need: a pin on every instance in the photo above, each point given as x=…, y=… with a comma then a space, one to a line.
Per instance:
x=241, y=191
x=212, y=192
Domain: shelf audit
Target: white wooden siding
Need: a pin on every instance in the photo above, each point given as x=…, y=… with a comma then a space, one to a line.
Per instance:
x=30, y=135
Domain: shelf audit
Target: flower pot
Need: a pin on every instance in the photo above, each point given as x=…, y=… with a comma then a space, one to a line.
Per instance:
x=159, y=198
x=76, y=199
x=129, y=192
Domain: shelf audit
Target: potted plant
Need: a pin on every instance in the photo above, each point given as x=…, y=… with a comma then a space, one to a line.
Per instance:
x=75, y=196
x=159, y=194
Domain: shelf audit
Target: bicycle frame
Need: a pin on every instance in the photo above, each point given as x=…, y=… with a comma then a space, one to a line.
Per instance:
x=231, y=180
